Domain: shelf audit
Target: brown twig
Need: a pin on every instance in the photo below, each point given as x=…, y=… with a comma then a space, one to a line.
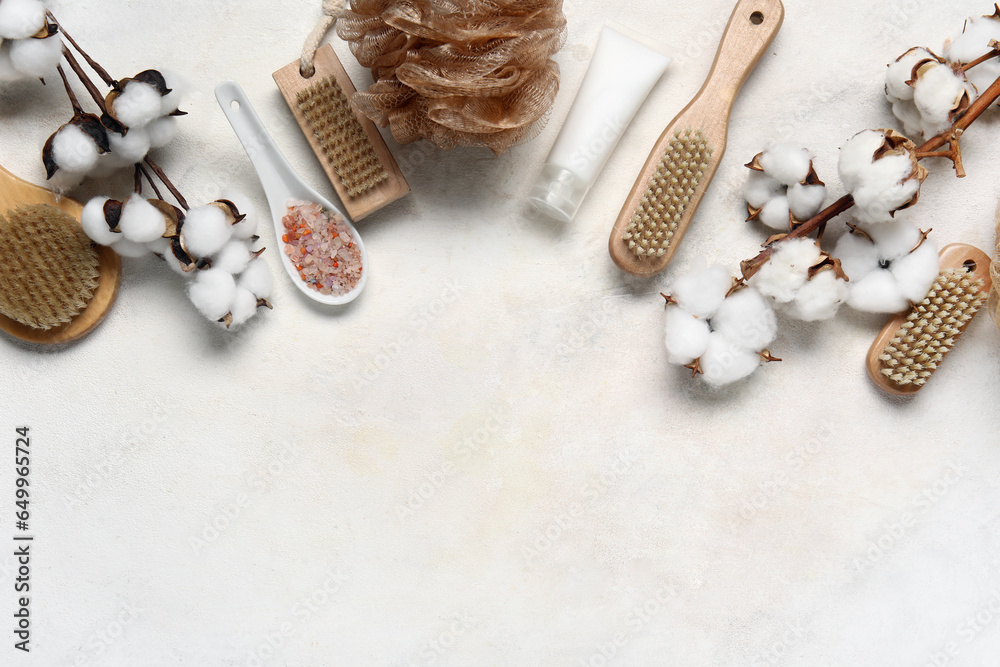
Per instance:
x=101, y=72
x=149, y=178
x=95, y=94
x=981, y=59
x=166, y=182
x=77, y=109
x=930, y=148
x=137, y=179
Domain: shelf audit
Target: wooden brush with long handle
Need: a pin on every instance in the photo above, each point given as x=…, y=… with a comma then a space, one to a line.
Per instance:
x=681, y=166
x=55, y=286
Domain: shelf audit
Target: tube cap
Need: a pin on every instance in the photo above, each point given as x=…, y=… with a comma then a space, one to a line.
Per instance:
x=558, y=192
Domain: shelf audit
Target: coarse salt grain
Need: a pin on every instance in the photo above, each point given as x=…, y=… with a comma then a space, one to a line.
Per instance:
x=320, y=245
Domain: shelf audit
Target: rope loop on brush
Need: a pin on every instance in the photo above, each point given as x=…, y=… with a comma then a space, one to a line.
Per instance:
x=332, y=9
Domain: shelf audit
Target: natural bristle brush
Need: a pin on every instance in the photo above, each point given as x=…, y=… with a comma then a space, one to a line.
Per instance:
x=681, y=165
x=912, y=345
x=349, y=146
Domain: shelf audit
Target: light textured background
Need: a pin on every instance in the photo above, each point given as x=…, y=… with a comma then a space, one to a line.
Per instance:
x=206, y=498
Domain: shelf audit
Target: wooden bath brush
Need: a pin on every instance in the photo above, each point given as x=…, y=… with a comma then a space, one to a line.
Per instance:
x=55, y=285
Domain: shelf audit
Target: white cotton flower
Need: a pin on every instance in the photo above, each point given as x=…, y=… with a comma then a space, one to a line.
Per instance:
x=900, y=75
x=36, y=57
x=882, y=186
x=233, y=258
x=141, y=222
x=746, y=319
x=130, y=148
x=258, y=278
x=212, y=292
x=786, y=163
x=973, y=43
x=65, y=180
x=246, y=228
x=74, y=150
x=95, y=225
x=7, y=70
x=702, y=291
x=127, y=248
x=784, y=185
x=244, y=306
x=937, y=93
x=906, y=113
x=160, y=246
x=161, y=131
x=686, y=336
x=819, y=299
x=787, y=270
x=889, y=272
x=20, y=19
x=138, y=105
x=176, y=266
x=206, y=230
x=725, y=362
x=177, y=86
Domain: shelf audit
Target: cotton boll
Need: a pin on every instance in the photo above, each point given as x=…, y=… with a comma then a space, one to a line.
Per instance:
x=901, y=72
x=137, y=105
x=36, y=57
x=20, y=19
x=856, y=157
x=786, y=163
x=244, y=306
x=760, y=188
x=805, y=201
x=233, y=258
x=177, y=86
x=936, y=94
x=686, y=336
x=161, y=131
x=916, y=272
x=176, y=266
x=887, y=188
x=819, y=299
x=725, y=362
x=878, y=292
x=141, y=222
x=212, y=292
x=160, y=246
x=258, y=278
x=787, y=270
x=206, y=230
x=127, y=248
x=94, y=223
x=702, y=291
x=74, y=150
x=108, y=164
x=972, y=44
x=894, y=239
x=65, y=180
x=132, y=147
x=747, y=319
x=247, y=227
x=858, y=256
x=7, y=70
x=775, y=213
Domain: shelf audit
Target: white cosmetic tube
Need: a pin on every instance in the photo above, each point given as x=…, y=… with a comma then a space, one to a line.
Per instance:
x=621, y=74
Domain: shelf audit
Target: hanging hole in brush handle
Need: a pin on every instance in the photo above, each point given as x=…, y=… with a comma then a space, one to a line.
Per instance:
x=751, y=29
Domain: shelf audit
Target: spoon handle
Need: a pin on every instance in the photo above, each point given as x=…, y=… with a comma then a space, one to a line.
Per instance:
x=276, y=175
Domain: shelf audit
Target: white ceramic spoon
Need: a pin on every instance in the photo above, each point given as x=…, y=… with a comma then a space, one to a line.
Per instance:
x=280, y=183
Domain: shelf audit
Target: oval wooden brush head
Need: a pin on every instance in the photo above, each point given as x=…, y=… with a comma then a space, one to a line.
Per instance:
x=56, y=286
x=912, y=345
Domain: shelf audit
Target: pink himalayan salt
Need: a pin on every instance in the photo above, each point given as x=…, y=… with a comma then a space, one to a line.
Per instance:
x=322, y=248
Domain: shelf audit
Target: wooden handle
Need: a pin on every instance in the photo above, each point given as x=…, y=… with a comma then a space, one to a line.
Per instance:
x=752, y=27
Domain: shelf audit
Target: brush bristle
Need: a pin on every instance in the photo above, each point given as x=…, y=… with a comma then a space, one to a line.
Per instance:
x=931, y=328
x=342, y=137
x=49, y=269
x=670, y=190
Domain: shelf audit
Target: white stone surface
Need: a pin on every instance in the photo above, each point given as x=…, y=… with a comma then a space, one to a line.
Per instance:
x=195, y=491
